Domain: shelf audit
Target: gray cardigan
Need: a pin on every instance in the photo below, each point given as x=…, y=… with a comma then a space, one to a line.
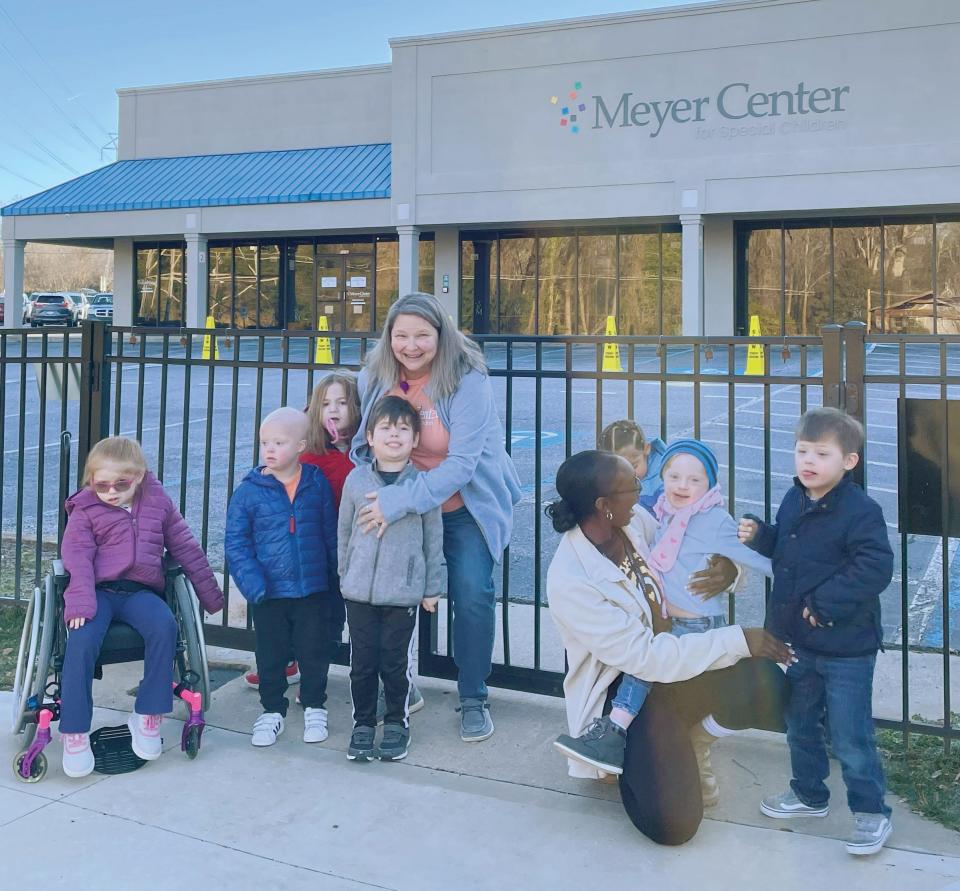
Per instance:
x=477, y=464
x=403, y=566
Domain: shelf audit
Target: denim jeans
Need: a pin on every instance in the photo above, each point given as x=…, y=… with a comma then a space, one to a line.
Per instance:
x=632, y=692
x=149, y=614
x=840, y=689
x=472, y=598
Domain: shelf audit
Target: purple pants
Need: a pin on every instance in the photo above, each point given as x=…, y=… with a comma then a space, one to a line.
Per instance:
x=147, y=613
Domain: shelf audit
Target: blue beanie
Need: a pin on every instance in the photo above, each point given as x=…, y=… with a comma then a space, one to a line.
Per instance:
x=701, y=451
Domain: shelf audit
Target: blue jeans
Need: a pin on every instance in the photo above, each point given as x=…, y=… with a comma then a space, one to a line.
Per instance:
x=632, y=692
x=472, y=599
x=840, y=688
x=149, y=614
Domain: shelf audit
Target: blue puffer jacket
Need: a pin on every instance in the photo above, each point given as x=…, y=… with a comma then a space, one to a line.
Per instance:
x=833, y=557
x=276, y=548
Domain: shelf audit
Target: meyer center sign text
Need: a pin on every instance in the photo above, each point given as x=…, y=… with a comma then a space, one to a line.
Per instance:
x=734, y=102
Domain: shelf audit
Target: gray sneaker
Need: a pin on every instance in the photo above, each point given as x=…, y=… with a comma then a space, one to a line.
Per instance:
x=414, y=704
x=393, y=746
x=870, y=833
x=476, y=724
x=361, y=744
x=601, y=745
x=787, y=805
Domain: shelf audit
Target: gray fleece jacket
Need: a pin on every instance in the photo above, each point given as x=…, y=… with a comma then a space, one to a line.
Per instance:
x=403, y=566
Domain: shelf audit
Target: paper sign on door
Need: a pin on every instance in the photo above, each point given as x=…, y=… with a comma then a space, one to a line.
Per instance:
x=328, y=281
x=357, y=281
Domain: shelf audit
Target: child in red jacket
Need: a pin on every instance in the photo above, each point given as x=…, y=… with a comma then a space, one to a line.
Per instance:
x=118, y=527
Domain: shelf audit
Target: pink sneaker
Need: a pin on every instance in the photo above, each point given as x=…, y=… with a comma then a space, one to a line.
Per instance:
x=77, y=754
x=145, y=736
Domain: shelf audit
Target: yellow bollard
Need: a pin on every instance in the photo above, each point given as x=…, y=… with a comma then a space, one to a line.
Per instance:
x=611, y=351
x=755, y=350
x=206, y=341
x=323, y=355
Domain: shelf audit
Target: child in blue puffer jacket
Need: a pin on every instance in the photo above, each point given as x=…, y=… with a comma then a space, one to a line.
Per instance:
x=281, y=546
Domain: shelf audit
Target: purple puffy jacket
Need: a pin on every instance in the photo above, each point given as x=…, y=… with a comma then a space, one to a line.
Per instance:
x=104, y=543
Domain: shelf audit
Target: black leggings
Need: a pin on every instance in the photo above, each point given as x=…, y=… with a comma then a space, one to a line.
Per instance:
x=660, y=785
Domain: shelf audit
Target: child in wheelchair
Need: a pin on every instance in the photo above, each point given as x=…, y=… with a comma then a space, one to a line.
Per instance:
x=118, y=526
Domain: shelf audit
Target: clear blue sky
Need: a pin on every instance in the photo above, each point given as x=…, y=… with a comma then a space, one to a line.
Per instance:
x=62, y=60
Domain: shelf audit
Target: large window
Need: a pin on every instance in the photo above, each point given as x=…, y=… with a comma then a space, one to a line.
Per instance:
x=161, y=288
x=896, y=275
x=562, y=282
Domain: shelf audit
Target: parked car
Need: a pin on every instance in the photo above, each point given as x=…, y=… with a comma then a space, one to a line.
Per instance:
x=52, y=309
x=79, y=304
x=101, y=308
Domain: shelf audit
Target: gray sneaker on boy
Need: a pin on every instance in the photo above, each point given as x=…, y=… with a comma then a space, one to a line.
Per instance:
x=393, y=746
x=476, y=724
x=361, y=744
x=870, y=833
x=787, y=805
x=601, y=745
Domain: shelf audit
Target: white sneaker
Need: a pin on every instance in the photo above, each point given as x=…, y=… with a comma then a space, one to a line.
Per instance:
x=145, y=736
x=77, y=754
x=267, y=728
x=314, y=725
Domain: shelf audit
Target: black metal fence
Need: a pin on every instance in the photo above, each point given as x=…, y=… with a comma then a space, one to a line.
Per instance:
x=196, y=405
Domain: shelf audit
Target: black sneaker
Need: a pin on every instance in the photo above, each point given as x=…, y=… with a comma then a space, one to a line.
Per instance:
x=601, y=746
x=393, y=746
x=361, y=744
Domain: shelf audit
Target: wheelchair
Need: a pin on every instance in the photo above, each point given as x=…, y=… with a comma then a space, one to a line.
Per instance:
x=43, y=641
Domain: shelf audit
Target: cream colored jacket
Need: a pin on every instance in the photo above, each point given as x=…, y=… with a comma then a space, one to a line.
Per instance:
x=606, y=628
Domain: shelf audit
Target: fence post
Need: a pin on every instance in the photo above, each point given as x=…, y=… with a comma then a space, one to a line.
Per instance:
x=94, y=390
x=854, y=370
x=832, y=365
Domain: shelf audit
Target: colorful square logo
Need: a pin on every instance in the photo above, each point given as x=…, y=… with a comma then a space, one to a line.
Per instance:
x=571, y=108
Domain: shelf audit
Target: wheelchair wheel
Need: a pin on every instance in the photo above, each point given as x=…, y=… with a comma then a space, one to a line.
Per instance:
x=26, y=659
x=193, y=742
x=38, y=770
x=191, y=626
x=36, y=650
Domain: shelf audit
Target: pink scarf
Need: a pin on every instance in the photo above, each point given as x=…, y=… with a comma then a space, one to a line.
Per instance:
x=664, y=553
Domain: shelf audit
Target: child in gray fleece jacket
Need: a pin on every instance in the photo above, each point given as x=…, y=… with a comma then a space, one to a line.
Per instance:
x=384, y=576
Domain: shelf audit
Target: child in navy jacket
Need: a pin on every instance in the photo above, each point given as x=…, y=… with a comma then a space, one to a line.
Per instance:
x=831, y=561
x=281, y=545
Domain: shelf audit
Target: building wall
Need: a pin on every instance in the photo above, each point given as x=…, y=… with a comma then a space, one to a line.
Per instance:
x=849, y=111
x=309, y=110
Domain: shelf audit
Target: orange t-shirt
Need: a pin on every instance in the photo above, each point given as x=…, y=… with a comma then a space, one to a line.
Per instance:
x=291, y=485
x=434, y=445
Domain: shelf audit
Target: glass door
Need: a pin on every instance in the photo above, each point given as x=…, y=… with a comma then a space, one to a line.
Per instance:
x=330, y=291
x=358, y=302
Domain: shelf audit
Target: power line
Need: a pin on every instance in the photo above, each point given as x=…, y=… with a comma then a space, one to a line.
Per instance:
x=83, y=135
x=50, y=69
x=26, y=179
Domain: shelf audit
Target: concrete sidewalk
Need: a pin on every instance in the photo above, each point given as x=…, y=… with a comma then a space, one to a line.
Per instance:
x=500, y=814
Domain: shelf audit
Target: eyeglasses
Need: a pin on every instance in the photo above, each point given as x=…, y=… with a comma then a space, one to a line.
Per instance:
x=635, y=491
x=117, y=486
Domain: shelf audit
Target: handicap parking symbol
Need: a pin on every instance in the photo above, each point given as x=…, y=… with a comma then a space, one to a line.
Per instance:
x=527, y=439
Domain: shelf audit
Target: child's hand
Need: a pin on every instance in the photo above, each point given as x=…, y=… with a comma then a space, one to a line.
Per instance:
x=813, y=620
x=747, y=530
x=429, y=604
x=74, y=624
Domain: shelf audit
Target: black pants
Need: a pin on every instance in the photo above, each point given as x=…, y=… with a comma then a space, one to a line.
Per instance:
x=304, y=627
x=381, y=649
x=660, y=784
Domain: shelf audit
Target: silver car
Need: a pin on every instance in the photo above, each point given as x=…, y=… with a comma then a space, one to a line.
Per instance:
x=101, y=308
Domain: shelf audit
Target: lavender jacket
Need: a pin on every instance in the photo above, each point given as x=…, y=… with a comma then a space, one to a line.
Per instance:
x=104, y=543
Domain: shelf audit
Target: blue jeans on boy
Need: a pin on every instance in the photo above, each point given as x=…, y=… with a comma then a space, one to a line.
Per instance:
x=632, y=692
x=473, y=599
x=149, y=614
x=842, y=689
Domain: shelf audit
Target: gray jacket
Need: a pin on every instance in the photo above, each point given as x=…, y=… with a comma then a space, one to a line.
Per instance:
x=403, y=566
x=477, y=464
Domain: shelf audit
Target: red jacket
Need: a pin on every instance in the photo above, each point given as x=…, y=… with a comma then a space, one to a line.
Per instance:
x=336, y=466
x=104, y=543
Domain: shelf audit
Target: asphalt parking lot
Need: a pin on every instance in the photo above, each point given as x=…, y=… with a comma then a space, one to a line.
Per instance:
x=177, y=411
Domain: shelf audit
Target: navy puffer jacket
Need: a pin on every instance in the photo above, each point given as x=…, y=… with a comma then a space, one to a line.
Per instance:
x=276, y=548
x=832, y=557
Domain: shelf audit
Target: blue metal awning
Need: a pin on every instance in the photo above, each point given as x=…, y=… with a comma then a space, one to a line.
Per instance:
x=342, y=173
